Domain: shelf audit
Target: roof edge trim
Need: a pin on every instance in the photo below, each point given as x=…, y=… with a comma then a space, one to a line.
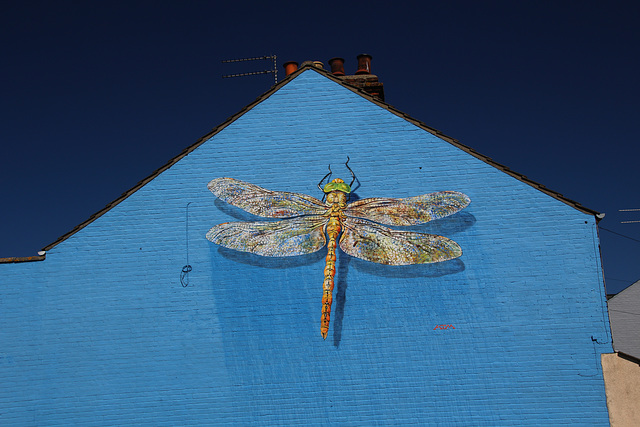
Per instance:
x=270, y=92
x=465, y=148
x=175, y=159
x=628, y=357
x=14, y=260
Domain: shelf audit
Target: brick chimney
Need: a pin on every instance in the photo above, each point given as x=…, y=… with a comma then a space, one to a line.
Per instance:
x=362, y=79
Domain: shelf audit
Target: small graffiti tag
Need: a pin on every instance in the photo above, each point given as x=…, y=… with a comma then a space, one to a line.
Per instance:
x=444, y=327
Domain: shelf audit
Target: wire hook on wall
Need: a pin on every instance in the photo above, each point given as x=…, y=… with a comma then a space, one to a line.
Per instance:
x=184, y=278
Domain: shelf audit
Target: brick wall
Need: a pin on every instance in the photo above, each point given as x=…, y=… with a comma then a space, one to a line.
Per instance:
x=103, y=333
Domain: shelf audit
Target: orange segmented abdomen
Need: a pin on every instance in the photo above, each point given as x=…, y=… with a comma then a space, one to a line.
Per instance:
x=333, y=231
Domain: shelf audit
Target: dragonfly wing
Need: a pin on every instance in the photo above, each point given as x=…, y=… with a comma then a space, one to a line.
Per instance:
x=372, y=242
x=289, y=237
x=410, y=211
x=265, y=203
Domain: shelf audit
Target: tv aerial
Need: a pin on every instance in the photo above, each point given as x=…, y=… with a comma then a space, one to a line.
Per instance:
x=274, y=70
x=629, y=210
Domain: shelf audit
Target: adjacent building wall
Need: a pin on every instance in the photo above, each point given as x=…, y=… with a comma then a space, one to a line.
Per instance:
x=622, y=382
x=624, y=312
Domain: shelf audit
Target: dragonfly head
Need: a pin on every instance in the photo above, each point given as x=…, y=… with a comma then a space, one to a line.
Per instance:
x=337, y=185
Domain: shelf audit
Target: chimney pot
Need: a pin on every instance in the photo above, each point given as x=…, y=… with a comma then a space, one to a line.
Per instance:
x=337, y=66
x=364, y=64
x=290, y=67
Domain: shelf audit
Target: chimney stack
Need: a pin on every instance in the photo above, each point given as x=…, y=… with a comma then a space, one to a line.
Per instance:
x=362, y=79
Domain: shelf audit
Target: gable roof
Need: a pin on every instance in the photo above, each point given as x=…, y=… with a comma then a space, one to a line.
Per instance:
x=266, y=95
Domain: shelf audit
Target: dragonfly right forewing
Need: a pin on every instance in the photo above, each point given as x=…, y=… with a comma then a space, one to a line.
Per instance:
x=409, y=211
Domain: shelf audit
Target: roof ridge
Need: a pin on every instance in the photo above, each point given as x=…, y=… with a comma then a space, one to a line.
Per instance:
x=465, y=148
x=174, y=159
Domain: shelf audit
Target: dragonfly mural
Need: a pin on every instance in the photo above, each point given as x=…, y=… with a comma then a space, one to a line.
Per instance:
x=307, y=222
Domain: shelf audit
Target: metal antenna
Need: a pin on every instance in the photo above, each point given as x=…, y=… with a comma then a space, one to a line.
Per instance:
x=628, y=210
x=274, y=70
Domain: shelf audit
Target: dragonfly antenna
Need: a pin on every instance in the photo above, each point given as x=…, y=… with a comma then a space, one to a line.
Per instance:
x=274, y=70
x=325, y=177
x=352, y=174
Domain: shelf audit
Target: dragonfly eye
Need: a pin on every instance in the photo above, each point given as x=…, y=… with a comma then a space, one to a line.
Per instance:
x=338, y=185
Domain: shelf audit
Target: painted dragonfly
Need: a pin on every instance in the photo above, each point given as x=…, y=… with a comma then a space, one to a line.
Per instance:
x=307, y=222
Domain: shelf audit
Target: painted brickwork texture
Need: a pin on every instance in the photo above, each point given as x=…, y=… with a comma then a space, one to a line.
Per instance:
x=103, y=333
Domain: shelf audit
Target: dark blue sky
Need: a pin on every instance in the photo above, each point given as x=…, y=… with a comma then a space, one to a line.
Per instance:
x=97, y=95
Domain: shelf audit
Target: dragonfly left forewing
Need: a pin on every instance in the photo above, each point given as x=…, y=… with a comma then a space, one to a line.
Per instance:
x=372, y=242
x=289, y=237
x=262, y=202
x=409, y=211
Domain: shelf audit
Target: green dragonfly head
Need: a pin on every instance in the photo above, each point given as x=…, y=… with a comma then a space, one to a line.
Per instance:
x=337, y=185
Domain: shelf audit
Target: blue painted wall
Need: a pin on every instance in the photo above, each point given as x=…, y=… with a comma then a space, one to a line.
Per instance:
x=103, y=333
